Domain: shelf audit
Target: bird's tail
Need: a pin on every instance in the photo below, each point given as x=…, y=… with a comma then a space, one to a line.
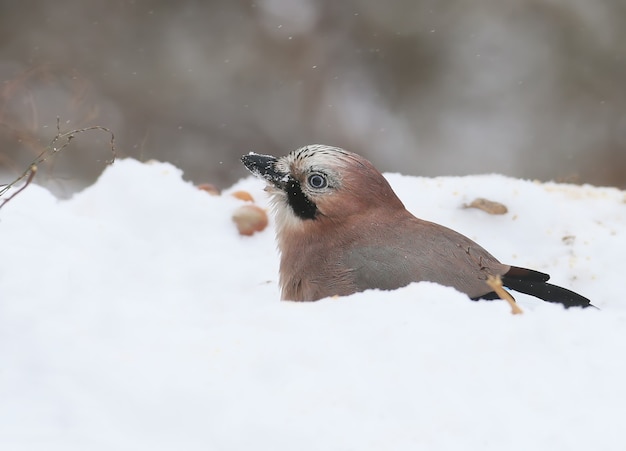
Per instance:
x=535, y=284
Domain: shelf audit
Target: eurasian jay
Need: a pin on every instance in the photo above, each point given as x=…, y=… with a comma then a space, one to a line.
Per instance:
x=341, y=229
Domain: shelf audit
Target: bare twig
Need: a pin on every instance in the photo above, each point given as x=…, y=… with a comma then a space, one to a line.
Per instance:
x=68, y=136
x=58, y=143
x=31, y=171
x=496, y=285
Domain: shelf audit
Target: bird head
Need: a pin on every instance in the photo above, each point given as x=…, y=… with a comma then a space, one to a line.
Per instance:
x=316, y=184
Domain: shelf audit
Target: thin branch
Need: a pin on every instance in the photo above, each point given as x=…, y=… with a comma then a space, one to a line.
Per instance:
x=58, y=143
x=496, y=285
x=31, y=171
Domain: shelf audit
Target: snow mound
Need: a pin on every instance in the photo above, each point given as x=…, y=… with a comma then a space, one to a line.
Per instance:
x=134, y=316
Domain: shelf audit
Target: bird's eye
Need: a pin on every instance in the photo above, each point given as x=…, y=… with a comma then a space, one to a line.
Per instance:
x=317, y=181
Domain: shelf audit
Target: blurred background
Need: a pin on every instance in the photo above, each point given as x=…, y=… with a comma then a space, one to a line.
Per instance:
x=527, y=88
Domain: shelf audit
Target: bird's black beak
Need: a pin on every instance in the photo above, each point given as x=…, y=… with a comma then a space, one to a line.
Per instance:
x=264, y=166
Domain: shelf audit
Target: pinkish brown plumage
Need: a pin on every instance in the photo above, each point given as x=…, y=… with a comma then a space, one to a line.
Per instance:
x=341, y=229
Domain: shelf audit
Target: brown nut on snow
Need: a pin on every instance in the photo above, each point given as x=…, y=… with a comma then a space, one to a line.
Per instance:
x=243, y=195
x=209, y=188
x=488, y=206
x=250, y=219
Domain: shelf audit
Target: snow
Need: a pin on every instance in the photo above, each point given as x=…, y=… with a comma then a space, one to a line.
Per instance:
x=134, y=316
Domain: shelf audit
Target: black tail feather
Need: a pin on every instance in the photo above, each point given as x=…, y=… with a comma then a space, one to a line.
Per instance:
x=534, y=283
x=527, y=274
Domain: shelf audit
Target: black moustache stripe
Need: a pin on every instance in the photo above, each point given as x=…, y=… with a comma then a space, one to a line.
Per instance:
x=301, y=205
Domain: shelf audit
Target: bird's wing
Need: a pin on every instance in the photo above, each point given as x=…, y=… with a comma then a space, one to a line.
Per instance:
x=415, y=250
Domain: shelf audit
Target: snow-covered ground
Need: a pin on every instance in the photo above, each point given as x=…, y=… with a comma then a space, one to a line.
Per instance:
x=134, y=316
